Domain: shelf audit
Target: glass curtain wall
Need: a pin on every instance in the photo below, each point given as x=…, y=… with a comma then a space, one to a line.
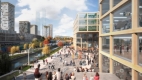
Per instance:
x=105, y=6
x=122, y=45
x=123, y=18
x=121, y=71
x=105, y=44
x=105, y=25
x=105, y=65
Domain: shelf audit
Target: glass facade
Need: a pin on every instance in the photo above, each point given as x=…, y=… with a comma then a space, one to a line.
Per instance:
x=82, y=22
x=92, y=15
x=115, y=2
x=82, y=28
x=122, y=19
x=139, y=76
x=105, y=6
x=88, y=39
x=140, y=49
x=122, y=45
x=83, y=15
x=140, y=13
x=105, y=44
x=92, y=21
x=105, y=64
x=105, y=25
x=92, y=28
x=121, y=71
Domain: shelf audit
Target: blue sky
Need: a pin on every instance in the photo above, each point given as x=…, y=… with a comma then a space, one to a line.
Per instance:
x=60, y=13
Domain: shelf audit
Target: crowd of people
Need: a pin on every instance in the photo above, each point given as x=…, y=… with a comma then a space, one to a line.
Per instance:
x=59, y=75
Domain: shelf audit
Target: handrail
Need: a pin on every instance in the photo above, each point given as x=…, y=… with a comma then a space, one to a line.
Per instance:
x=8, y=73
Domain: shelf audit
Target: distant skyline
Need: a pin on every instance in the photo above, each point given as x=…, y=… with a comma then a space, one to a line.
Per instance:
x=60, y=13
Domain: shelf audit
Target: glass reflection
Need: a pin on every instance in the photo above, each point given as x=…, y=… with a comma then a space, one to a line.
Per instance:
x=105, y=6
x=83, y=15
x=92, y=28
x=92, y=21
x=82, y=22
x=122, y=18
x=122, y=46
x=140, y=13
x=105, y=44
x=139, y=76
x=92, y=15
x=105, y=25
x=121, y=71
x=105, y=64
x=82, y=28
x=140, y=49
x=115, y=2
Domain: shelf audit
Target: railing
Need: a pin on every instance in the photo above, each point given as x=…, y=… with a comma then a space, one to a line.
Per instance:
x=10, y=75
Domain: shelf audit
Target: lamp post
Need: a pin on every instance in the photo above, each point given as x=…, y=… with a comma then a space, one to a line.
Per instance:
x=28, y=55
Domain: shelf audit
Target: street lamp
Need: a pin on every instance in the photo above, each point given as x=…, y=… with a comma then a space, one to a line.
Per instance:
x=28, y=55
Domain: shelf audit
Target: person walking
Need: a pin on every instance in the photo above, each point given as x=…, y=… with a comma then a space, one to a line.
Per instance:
x=37, y=74
x=46, y=61
x=96, y=77
x=43, y=61
x=58, y=74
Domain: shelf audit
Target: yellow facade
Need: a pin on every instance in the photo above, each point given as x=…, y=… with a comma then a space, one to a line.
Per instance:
x=120, y=38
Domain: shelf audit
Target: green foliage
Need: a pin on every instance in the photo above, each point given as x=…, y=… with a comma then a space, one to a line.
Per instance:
x=5, y=64
x=24, y=68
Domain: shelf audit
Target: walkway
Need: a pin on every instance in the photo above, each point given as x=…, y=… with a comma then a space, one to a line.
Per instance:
x=65, y=69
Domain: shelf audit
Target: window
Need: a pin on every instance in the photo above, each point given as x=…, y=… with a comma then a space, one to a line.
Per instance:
x=105, y=6
x=105, y=64
x=92, y=21
x=122, y=17
x=82, y=22
x=122, y=46
x=115, y=2
x=82, y=15
x=139, y=76
x=92, y=15
x=140, y=49
x=82, y=28
x=105, y=25
x=121, y=71
x=105, y=44
x=92, y=28
x=140, y=13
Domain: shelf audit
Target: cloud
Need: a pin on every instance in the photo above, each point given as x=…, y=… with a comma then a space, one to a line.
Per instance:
x=49, y=8
x=65, y=26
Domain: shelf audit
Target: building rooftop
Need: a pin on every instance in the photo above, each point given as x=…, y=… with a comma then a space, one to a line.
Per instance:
x=7, y=3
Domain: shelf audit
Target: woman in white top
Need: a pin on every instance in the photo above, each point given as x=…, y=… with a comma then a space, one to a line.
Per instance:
x=72, y=77
x=91, y=78
x=54, y=76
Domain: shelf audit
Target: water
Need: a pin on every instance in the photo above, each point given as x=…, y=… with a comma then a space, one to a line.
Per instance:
x=19, y=62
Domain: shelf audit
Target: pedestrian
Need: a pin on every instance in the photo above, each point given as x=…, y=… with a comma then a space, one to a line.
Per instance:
x=24, y=76
x=43, y=61
x=46, y=61
x=96, y=77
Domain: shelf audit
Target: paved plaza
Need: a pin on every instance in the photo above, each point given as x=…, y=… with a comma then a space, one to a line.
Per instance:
x=64, y=69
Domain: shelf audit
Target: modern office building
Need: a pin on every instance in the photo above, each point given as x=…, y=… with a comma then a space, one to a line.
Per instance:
x=47, y=30
x=7, y=16
x=24, y=27
x=34, y=29
x=120, y=38
x=86, y=30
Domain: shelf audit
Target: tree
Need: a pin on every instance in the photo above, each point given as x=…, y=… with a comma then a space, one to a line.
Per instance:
x=41, y=44
x=13, y=49
x=60, y=44
x=33, y=45
x=5, y=64
x=45, y=50
x=25, y=46
x=30, y=45
x=17, y=48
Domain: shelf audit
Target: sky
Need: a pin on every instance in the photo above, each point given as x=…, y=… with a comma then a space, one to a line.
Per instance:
x=60, y=13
